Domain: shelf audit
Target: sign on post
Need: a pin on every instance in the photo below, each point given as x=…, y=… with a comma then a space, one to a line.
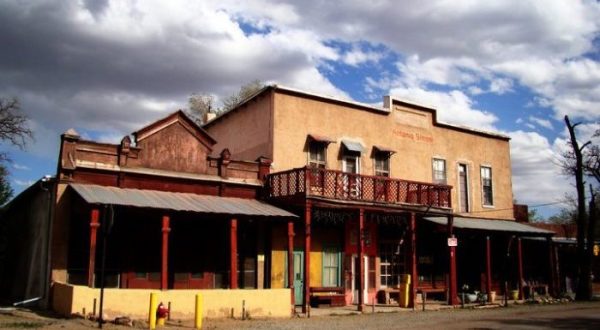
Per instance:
x=452, y=241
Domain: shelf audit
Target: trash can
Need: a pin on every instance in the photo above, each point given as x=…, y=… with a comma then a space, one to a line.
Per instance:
x=404, y=289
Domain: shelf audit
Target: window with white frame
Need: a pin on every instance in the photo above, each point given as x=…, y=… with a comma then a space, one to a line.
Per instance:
x=317, y=154
x=439, y=171
x=331, y=267
x=486, y=185
x=382, y=164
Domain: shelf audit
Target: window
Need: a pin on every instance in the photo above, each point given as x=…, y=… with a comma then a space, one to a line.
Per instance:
x=391, y=265
x=486, y=185
x=316, y=154
x=439, y=171
x=331, y=267
x=382, y=164
x=463, y=188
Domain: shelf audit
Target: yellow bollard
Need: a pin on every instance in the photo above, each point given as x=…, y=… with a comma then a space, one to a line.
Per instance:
x=199, y=307
x=152, y=312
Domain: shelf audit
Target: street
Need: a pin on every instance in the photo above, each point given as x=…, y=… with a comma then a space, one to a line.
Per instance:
x=559, y=316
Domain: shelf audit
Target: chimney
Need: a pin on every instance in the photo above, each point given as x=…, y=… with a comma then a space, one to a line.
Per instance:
x=521, y=212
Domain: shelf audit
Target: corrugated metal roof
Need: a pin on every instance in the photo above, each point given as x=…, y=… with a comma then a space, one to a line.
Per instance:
x=353, y=146
x=384, y=149
x=491, y=225
x=94, y=194
x=321, y=138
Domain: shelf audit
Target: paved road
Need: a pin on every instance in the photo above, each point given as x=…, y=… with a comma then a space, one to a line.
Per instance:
x=564, y=316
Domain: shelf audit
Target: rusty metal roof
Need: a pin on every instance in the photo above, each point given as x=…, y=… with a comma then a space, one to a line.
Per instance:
x=187, y=202
x=491, y=225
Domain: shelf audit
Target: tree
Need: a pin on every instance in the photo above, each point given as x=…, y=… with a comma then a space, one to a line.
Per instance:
x=573, y=163
x=15, y=131
x=199, y=104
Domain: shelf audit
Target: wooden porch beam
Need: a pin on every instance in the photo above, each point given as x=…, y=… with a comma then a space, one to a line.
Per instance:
x=414, y=283
x=488, y=268
x=94, y=224
x=164, y=271
x=233, y=266
x=307, y=241
x=361, y=259
x=291, y=263
x=452, y=285
x=520, y=267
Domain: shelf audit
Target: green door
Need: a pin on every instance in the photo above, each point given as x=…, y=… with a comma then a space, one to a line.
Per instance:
x=298, y=276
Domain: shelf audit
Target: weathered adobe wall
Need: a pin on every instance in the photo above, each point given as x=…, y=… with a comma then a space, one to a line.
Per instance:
x=245, y=131
x=409, y=132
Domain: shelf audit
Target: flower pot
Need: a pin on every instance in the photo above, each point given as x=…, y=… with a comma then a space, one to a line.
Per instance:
x=492, y=296
x=471, y=297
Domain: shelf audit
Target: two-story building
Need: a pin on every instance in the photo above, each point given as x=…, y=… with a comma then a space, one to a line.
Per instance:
x=382, y=191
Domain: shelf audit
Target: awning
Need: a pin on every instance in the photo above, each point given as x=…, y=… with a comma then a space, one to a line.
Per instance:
x=353, y=146
x=384, y=149
x=320, y=138
x=491, y=225
x=94, y=194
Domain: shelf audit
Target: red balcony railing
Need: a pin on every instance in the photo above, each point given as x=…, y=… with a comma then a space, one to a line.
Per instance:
x=308, y=181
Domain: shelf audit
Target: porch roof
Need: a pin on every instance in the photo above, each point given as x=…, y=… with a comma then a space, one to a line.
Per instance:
x=491, y=225
x=94, y=194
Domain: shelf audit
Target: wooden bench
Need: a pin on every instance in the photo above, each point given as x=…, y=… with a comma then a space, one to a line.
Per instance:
x=330, y=296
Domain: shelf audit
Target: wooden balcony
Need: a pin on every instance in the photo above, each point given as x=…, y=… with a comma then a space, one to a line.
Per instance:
x=337, y=185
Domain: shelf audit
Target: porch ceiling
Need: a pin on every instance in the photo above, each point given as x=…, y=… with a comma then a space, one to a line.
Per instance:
x=491, y=225
x=94, y=194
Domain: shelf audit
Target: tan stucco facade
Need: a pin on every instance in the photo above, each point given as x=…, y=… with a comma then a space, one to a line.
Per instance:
x=410, y=130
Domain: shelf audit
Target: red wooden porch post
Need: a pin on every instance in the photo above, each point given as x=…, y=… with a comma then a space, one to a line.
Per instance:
x=307, y=233
x=361, y=257
x=520, y=267
x=291, y=262
x=452, y=286
x=233, y=271
x=94, y=224
x=552, y=285
x=414, y=283
x=488, y=268
x=164, y=270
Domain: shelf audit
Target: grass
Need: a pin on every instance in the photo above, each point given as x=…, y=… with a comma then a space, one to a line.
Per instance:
x=24, y=325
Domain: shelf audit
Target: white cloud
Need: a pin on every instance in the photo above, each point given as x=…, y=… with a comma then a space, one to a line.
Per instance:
x=23, y=183
x=541, y=122
x=357, y=56
x=20, y=167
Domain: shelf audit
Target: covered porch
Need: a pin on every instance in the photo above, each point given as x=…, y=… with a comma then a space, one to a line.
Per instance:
x=145, y=239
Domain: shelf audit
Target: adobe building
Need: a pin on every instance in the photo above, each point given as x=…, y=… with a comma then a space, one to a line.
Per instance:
x=382, y=192
x=155, y=213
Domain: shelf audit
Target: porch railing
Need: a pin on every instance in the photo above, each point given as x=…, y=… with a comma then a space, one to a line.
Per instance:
x=308, y=181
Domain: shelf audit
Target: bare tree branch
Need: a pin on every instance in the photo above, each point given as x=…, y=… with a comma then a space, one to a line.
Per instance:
x=13, y=123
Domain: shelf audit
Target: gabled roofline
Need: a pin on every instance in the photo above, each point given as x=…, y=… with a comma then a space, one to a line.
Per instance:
x=359, y=106
x=178, y=113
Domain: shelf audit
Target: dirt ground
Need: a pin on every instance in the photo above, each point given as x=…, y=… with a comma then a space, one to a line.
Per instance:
x=559, y=316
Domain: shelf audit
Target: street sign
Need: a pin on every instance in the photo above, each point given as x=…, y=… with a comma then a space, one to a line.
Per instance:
x=452, y=241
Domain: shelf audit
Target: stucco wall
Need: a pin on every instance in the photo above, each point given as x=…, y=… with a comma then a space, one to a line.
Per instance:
x=409, y=132
x=69, y=300
x=245, y=131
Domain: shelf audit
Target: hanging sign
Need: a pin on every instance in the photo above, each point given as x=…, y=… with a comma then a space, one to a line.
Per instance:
x=596, y=250
x=452, y=241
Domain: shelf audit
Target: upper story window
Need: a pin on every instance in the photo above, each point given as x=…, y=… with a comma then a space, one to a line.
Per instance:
x=486, y=185
x=439, y=171
x=317, y=155
x=382, y=156
x=317, y=150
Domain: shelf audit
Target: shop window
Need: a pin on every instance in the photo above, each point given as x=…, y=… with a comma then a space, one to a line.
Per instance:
x=439, y=171
x=486, y=184
x=331, y=267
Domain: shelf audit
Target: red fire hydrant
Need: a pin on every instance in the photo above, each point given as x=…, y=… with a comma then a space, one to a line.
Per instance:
x=161, y=314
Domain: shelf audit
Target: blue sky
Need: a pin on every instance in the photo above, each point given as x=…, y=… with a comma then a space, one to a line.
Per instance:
x=106, y=67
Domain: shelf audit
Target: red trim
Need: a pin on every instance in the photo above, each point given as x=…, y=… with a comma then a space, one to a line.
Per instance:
x=452, y=286
x=307, y=220
x=291, y=262
x=164, y=271
x=233, y=271
x=414, y=283
x=488, y=267
x=520, y=267
x=94, y=224
x=361, y=254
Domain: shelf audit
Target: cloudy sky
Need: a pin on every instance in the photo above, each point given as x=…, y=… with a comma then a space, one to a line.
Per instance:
x=107, y=67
